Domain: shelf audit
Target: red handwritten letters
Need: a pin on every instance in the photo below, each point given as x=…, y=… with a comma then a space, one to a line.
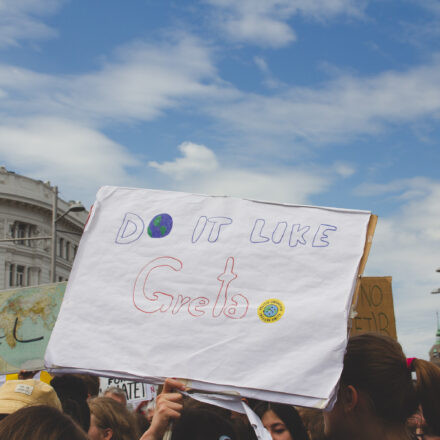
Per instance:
x=148, y=301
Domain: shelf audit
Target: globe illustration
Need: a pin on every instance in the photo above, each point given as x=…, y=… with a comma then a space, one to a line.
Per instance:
x=160, y=226
x=270, y=310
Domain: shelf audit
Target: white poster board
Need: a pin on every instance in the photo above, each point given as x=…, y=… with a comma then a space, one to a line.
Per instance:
x=135, y=392
x=235, y=295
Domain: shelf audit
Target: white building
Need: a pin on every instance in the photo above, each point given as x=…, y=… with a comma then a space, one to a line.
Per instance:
x=26, y=207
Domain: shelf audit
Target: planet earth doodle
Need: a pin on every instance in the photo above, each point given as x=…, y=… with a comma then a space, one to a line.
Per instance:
x=160, y=226
x=270, y=310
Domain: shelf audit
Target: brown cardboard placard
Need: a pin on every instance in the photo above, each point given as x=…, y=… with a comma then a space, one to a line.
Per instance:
x=374, y=308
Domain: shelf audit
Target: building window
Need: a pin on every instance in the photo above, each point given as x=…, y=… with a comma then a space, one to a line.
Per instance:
x=61, y=248
x=11, y=275
x=19, y=276
x=75, y=250
x=21, y=231
x=67, y=250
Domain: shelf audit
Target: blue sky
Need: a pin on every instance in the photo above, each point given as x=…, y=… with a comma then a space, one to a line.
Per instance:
x=323, y=102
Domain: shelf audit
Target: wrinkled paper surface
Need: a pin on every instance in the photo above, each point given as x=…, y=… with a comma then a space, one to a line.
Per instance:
x=235, y=295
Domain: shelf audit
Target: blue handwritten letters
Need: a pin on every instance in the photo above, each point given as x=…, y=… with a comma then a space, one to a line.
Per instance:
x=294, y=235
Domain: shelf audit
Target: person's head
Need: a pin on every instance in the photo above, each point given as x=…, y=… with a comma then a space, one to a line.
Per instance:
x=72, y=391
x=92, y=384
x=110, y=420
x=117, y=394
x=17, y=394
x=40, y=422
x=375, y=390
x=428, y=393
x=282, y=421
x=202, y=423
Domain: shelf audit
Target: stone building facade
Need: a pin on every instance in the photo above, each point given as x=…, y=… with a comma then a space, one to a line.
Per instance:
x=26, y=212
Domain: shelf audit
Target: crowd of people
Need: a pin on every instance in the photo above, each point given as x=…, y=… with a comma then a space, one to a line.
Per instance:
x=381, y=395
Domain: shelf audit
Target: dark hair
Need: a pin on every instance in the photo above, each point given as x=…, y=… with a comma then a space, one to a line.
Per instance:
x=72, y=392
x=288, y=414
x=376, y=366
x=201, y=424
x=40, y=422
x=92, y=384
x=428, y=393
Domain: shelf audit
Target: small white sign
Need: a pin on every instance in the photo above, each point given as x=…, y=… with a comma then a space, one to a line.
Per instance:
x=135, y=392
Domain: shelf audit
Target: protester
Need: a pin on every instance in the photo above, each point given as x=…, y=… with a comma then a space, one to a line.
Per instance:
x=282, y=421
x=41, y=422
x=428, y=394
x=313, y=422
x=169, y=405
x=144, y=414
x=72, y=392
x=376, y=395
x=202, y=424
x=110, y=420
x=195, y=421
x=17, y=394
x=92, y=384
x=117, y=394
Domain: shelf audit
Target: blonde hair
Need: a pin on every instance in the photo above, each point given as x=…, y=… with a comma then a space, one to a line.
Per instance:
x=111, y=414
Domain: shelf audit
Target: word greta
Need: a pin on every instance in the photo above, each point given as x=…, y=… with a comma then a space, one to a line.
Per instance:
x=211, y=228
x=234, y=307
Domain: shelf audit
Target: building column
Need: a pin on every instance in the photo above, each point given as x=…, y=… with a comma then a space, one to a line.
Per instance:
x=6, y=278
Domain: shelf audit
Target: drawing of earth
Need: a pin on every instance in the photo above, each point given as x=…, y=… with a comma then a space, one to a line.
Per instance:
x=160, y=226
x=270, y=310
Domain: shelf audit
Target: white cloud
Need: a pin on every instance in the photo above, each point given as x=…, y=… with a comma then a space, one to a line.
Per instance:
x=62, y=151
x=200, y=171
x=344, y=169
x=141, y=82
x=340, y=109
x=196, y=159
x=264, y=22
x=272, y=184
x=146, y=79
x=406, y=246
x=261, y=64
x=21, y=20
x=269, y=80
x=50, y=124
x=431, y=5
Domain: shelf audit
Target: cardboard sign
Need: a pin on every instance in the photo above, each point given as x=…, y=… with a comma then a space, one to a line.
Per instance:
x=375, y=309
x=27, y=317
x=225, y=292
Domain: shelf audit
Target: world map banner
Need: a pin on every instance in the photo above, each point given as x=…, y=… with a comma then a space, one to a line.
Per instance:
x=224, y=292
x=27, y=317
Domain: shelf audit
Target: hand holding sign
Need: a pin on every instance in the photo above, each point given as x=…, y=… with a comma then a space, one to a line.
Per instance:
x=168, y=407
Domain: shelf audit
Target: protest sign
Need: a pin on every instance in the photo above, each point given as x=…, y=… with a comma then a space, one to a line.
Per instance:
x=27, y=317
x=225, y=292
x=374, y=308
x=135, y=392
